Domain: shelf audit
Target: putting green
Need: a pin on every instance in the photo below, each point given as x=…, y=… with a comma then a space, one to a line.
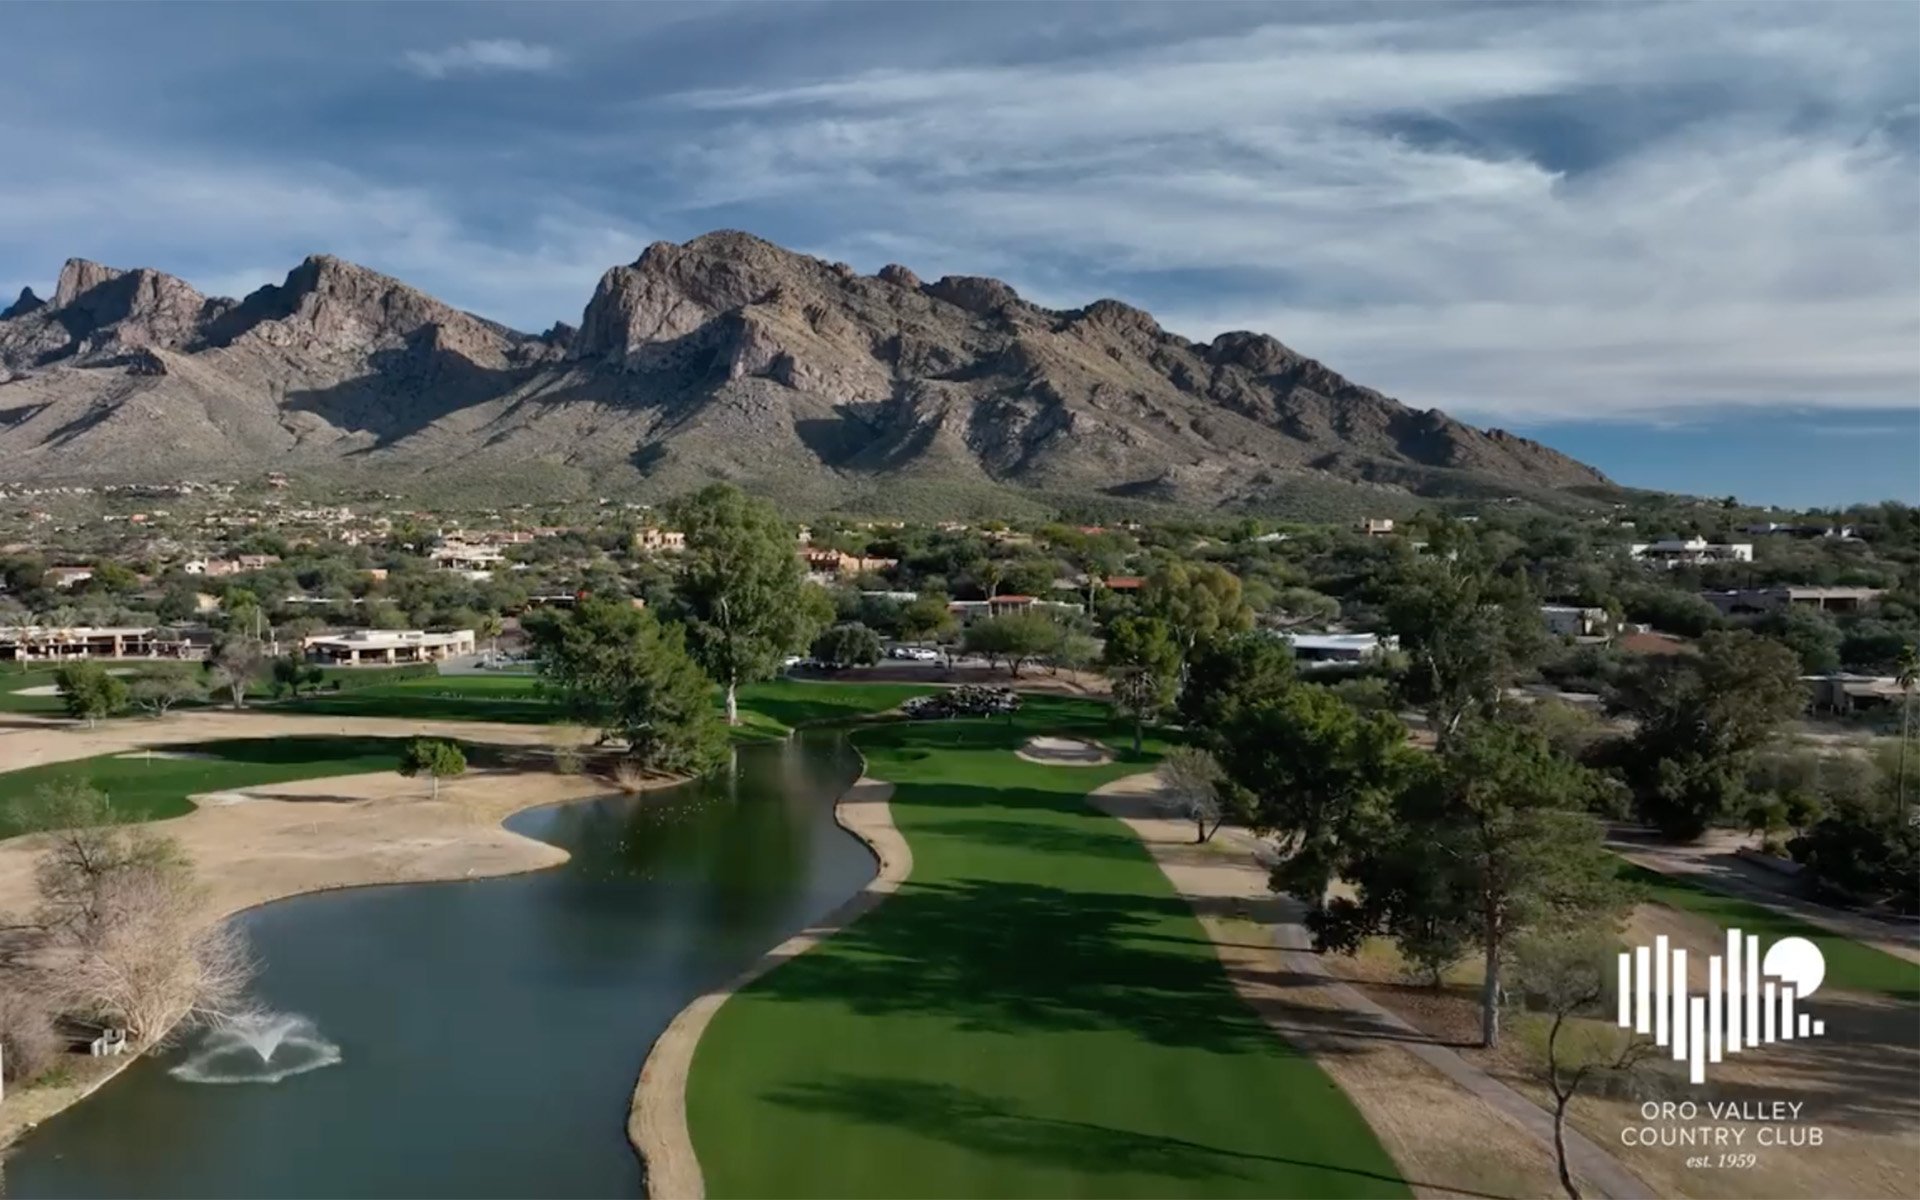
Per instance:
x=1034, y=1013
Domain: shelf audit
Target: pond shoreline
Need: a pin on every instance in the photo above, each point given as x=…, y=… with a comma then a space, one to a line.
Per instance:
x=379, y=831
x=657, y=1121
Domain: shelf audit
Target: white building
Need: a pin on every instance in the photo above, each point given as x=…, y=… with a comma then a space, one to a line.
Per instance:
x=465, y=556
x=1690, y=552
x=1330, y=649
x=380, y=647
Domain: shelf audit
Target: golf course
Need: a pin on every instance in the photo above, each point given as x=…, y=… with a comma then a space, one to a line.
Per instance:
x=1034, y=1012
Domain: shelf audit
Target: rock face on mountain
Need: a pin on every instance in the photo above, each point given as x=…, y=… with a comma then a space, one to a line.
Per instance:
x=727, y=356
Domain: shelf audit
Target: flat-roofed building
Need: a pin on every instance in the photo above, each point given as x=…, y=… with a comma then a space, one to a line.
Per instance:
x=382, y=647
x=51, y=643
x=1332, y=649
x=1773, y=599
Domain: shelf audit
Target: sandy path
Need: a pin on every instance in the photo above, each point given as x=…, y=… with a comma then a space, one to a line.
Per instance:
x=285, y=839
x=657, y=1123
x=30, y=742
x=1451, y=1128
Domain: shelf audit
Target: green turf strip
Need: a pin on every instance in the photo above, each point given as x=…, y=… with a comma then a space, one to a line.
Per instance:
x=1035, y=1013
x=143, y=788
x=1851, y=965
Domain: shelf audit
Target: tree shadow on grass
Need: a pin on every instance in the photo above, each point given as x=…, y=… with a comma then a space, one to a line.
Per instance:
x=986, y=1125
x=1022, y=958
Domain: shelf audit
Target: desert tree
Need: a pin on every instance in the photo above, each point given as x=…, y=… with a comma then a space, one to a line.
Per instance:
x=1143, y=662
x=1190, y=781
x=850, y=644
x=160, y=686
x=1565, y=977
x=1196, y=600
x=89, y=692
x=436, y=758
x=1310, y=769
x=1493, y=835
x=1227, y=671
x=742, y=589
x=1015, y=639
x=127, y=920
x=236, y=664
x=622, y=671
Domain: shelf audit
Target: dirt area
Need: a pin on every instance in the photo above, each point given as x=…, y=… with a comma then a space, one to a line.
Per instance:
x=1065, y=752
x=1446, y=1139
x=1860, y=1084
x=657, y=1122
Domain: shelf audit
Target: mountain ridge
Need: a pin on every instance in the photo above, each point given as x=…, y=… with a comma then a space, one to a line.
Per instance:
x=724, y=356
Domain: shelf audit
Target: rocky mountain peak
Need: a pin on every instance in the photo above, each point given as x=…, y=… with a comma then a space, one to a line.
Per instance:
x=28, y=302
x=974, y=293
x=724, y=355
x=79, y=276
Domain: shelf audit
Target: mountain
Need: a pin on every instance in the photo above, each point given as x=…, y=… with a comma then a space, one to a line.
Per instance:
x=724, y=357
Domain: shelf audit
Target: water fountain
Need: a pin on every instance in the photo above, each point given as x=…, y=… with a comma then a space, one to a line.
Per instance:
x=263, y=1047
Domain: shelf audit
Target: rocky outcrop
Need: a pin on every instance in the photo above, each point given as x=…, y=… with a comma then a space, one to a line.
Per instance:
x=27, y=303
x=726, y=355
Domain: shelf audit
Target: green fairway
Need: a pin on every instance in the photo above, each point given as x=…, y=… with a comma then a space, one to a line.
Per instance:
x=1851, y=965
x=150, y=789
x=14, y=682
x=1035, y=1013
x=767, y=709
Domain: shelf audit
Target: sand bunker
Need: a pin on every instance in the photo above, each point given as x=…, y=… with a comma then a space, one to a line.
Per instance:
x=1064, y=752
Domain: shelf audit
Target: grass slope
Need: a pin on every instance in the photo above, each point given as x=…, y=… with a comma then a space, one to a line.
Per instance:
x=1851, y=965
x=1035, y=1013
x=151, y=789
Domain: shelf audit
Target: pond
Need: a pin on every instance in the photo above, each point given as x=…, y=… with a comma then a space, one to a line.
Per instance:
x=489, y=1032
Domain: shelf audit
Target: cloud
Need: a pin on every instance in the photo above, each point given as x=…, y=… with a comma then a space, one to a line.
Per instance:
x=1498, y=211
x=229, y=227
x=481, y=56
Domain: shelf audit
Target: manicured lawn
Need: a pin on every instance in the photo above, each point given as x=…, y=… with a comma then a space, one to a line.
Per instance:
x=1034, y=1013
x=150, y=789
x=1851, y=965
x=12, y=683
x=768, y=709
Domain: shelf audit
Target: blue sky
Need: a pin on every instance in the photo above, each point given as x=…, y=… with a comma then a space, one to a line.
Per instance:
x=1647, y=234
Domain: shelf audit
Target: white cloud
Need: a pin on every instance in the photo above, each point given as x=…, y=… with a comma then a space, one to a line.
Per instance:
x=483, y=56
x=1747, y=244
x=229, y=227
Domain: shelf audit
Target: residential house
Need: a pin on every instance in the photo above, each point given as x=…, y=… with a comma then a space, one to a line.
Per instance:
x=659, y=541
x=969, y=611
x=1312, y=650
x=1774, y=599
x=1377, y=526
x=467, y=557
x=1689, y=552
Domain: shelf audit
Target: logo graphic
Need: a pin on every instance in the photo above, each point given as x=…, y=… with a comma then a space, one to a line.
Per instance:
x=1739, y=1010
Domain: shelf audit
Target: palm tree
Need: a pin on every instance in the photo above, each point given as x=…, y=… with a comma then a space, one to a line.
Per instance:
x=1907, y=675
